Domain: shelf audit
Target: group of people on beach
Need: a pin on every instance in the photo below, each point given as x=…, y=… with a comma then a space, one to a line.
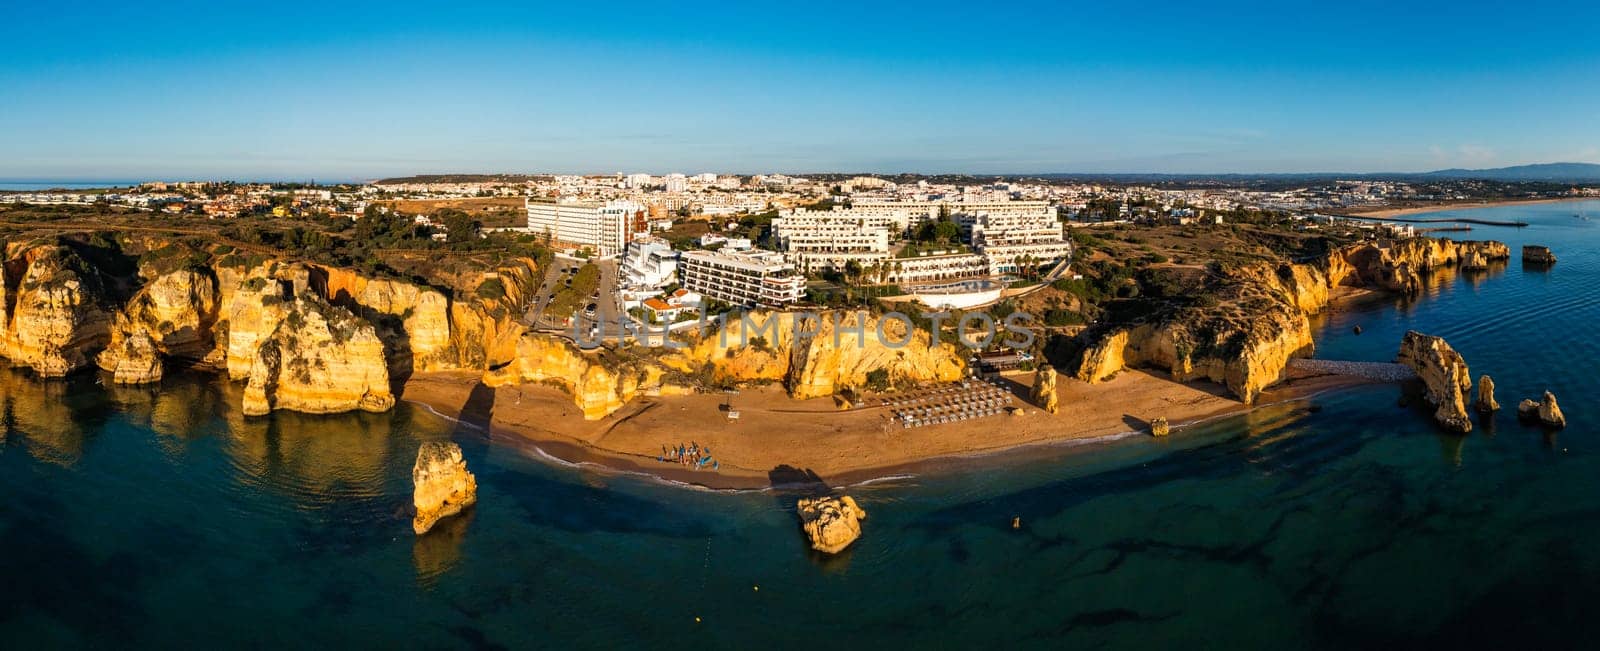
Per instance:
x=691, y=456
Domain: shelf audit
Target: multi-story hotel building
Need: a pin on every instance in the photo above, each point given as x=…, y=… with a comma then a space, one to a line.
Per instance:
x=816, y=241
x=603, y=228
x=648, y=263
x=744, y=278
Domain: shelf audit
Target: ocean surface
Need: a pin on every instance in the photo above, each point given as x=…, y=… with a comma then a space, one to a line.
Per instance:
x=29, y=186
x=162, y=518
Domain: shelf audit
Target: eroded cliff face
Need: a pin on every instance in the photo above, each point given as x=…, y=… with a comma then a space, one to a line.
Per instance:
x=1445, y=375
x=810, y=361
x=55, y=316
x=60, y=312
x=598, y=386
x=818, y=358
x=172, y=316
x=1246, y=343
x=317, y=358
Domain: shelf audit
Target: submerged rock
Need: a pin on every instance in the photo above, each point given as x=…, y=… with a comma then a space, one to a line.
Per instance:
x=1044, y=389
x=442, y=487
x=1445, y=375
x=832, y=523
x=1159, y=427
x=1546, y=411
x=1485, y=402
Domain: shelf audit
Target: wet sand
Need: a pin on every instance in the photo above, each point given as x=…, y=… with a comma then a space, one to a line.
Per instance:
x=778, y=441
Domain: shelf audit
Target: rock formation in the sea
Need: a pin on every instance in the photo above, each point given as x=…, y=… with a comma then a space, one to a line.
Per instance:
x=1545, y=411
x=317, y=359
x=1044, y=389
x=1160, y=427
x=57, y=319
x=1537, y=254
x=442, y=486
x=1485, y=402
x=832, y=523
x=1444, y=373
x=1260, y=317
x=172, y=316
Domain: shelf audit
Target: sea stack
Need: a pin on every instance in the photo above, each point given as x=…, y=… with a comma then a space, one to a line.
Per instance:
x=442, y=485
x=832, y=523
x=1445, y=375
x=1538, y=254
x=1546, y=411
x=1485, y=402
x=1044, y=389
x=1159, y=427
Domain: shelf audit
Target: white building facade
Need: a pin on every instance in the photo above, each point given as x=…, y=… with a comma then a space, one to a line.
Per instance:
x=742, y=278
x=603, y=228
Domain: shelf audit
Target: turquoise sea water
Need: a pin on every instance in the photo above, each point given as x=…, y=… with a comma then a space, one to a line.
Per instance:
x=162, y=518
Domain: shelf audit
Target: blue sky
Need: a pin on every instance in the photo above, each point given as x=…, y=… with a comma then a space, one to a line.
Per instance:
x=356, y=90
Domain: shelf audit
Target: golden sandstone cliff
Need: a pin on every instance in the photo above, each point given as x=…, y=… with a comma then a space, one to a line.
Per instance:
x=54, y=314
x=1445, y=375
x=1246, y=343
x=811, y=358
x=302, y=336
x=441, y=484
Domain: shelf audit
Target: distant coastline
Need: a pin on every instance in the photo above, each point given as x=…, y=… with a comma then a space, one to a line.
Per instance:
x=1460, y=205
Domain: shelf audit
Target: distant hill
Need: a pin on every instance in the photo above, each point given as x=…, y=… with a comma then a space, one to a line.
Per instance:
x=1559, y=172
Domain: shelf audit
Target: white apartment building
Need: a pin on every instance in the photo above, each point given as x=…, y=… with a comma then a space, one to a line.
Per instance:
x=636, y=181
x=742, y=278
x=1010, y=258
x=816, y=241
x=931, y=268
x=648, y=263
x=676, y=183
x=896, y=221
x=603, y=228
x=920, y=211
x=1012, y=228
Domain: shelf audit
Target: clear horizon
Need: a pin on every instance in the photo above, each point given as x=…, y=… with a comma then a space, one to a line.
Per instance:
x=365, y=90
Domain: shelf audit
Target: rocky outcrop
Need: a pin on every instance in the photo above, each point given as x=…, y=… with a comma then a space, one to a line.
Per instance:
x=317, y=359
x=1444, y=374
x=816, y=358
x=172, y=316
x=832, y=523
x=55, y=317
x=1537, y=254
x=1245, y=355
x=1160, y=427
x=598, y=384
x=441, y=485
x=1485, y=402
x=1044, y=389
x=1262, y=320
x=1545, y=411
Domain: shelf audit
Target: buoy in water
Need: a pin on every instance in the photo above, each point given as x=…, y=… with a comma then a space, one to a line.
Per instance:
x=1356, y=330
x=1016, y=522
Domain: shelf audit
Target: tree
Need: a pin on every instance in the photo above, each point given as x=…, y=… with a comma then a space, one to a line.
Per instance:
x=461, y=227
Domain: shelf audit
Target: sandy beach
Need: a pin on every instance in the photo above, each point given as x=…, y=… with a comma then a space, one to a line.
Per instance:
x=781, y=441
x=1458, y=205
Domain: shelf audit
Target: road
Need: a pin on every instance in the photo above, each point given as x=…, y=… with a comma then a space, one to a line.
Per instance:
x=606, y=300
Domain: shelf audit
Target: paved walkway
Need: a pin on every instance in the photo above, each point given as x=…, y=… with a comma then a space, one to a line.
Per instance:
x=1379, y=371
